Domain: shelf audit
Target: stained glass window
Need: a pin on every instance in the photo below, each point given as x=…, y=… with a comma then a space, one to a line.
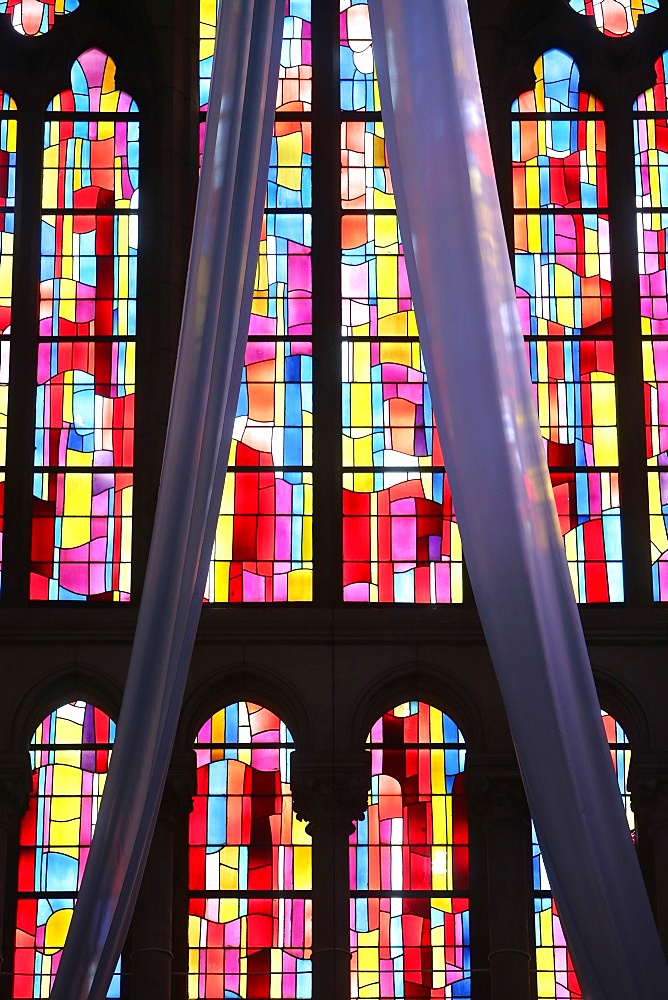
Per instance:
x=70, y=753
x=84, y=440
x=35, y=17
x=7, y=203
x=562, y=267
x=263, y=547
x=651, y=152
x=409, y=862
x=250, y=863
x=556, y=976
x=615, y=17
x=359, y=87
x=400, y=538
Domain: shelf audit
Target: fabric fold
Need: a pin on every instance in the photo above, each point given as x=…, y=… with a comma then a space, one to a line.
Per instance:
x=464, y=299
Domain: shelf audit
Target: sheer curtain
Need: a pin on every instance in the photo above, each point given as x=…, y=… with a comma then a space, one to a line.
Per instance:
x=213, y=336
x=470, y=333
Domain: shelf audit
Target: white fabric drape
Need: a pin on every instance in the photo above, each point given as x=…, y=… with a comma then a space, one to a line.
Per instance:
x=208, y=372
x=470, y=333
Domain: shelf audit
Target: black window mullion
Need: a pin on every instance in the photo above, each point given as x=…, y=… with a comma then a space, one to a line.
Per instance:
x=627, y=339
x=326, y=257
x=23, y=355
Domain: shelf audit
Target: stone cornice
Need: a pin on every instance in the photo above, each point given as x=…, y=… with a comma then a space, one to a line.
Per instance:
x=308, y=625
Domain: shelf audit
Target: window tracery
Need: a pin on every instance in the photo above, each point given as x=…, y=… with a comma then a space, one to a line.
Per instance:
x=616, y=18
x=36, y=17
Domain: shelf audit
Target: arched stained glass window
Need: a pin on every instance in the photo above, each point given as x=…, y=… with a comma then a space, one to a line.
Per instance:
x=555, y=973
x=651, y=152
x=263, y=547
x=7, y=204
x=409, y=862
x=562, y=267
x=35, y=17
x=615, y=17
x=400, y=538
x=70, y=753
x=84, y=434
x=250, y=863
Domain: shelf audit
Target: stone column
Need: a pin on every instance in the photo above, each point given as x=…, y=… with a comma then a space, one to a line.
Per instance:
x=153, y=956
x=330, y=793
x=497, y=801
x=648, y=784
x=15, y=788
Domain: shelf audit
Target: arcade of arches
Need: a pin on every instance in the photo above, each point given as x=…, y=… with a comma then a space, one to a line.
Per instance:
x=344, y=815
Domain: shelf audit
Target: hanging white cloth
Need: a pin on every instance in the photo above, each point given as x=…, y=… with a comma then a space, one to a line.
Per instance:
x=206, y=387
x=464, y=299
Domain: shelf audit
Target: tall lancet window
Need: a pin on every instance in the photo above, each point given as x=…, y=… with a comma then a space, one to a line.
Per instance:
x=263, y=547
x=70, y=753
x=409, y=862
x=555, y=974
x=400, y=541
x=400, y=538
x=7, y=204
x=250, y=863
x=84, y=429
x=651, y=152
x=562, y=265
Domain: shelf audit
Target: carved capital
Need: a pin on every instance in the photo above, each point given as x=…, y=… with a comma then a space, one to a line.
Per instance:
x=15, y=787
x=180, y=786
x=495, y=791
x=328, y=790
x=648, y=785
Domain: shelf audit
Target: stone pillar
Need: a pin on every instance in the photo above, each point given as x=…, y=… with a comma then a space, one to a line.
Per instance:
x=152, y=934
x=330, y=793
x=648, y=784
x=497, y=801
x=15, y=788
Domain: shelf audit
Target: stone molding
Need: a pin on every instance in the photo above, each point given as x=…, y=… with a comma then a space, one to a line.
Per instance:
x=327, y=790
x=180, y=786
x=648, y=785
x=494, y=790
x=15, y=787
